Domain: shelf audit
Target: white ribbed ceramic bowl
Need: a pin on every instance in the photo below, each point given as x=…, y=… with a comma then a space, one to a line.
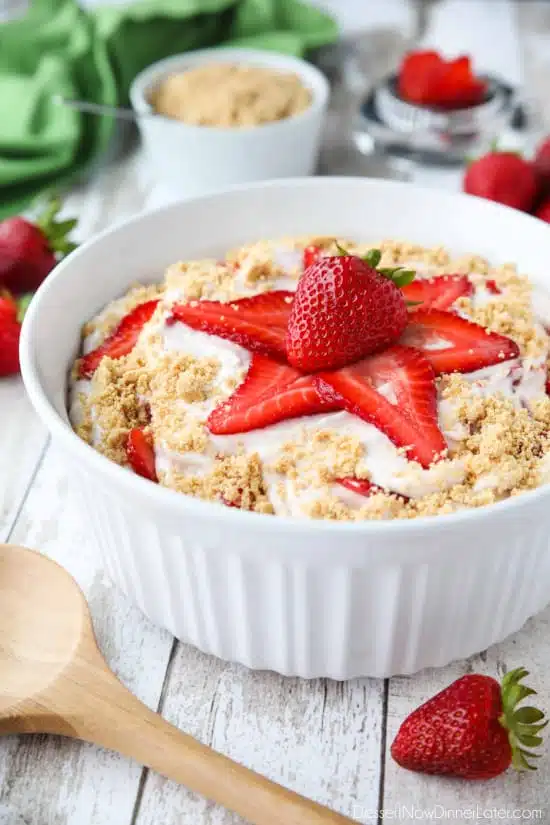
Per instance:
x=193, y=160
x=299, y=597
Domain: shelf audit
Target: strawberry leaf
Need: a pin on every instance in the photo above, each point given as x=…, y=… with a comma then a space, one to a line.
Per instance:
x=527, y=716
x=56, y=231
x=523, y=724
x=373, y=257
x=23, y=304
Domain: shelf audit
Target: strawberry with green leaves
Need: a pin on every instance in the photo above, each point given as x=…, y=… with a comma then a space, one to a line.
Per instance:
x=475, y=729
x=30, y=250
x=345, y=307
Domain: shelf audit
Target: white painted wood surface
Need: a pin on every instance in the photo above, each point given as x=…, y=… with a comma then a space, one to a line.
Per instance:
x=325, y=739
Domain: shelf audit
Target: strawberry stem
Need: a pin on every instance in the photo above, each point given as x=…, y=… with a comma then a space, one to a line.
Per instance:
x=398, y=274
x=523, y=724
x=55, y=231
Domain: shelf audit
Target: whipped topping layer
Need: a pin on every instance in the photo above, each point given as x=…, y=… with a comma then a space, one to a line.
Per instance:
x=177, y=375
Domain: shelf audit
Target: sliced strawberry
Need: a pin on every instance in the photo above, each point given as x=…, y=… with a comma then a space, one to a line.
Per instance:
x=140, y=454
x=271, y=392
x=311, y=255
x=453, y=344
x=121, y=341
x=359, y=485
x=492, y=287
x=365, y=488
x=439, y=292
x=409, y=419
x=257, y=323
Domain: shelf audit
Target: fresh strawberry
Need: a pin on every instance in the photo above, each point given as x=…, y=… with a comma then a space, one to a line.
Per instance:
x=257, y=323
x=121, y=341
x=28, y=251
x=453, y=344
x=343, y=309
x=503, y=177
x=360, y=486
x=311, y=255
x=492, y=287
x=409, y=419
x=271, y=392
x=364, y=487
x=141, y=454
x=437, y=293
x=419, y=76
x=10, y=330
x=473, y=729
x=541, y=163
x=426, y=79
x=543, y=212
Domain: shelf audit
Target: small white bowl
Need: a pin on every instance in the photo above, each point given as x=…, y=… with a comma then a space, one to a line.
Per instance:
x=312, y=598
x=195, y=160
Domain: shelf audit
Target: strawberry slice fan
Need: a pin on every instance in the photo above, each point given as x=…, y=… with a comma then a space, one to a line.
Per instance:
x=393, y=388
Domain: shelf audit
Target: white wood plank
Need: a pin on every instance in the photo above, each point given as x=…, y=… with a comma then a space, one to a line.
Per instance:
x=53, y=780
x=22, y=440
x=46, y=779
x=320, y=738
x=529, y=792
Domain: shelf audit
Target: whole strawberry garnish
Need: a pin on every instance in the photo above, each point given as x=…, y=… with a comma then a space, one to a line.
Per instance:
x=543, y=212
x=541, y=163
x=473, y=729
x=345, y=308
x=503, y=177
x=29, y=251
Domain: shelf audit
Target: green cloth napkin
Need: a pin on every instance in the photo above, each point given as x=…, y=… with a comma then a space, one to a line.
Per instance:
x=60, y=49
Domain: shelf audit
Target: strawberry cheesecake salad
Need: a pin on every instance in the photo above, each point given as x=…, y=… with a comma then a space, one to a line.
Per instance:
x=317, y=377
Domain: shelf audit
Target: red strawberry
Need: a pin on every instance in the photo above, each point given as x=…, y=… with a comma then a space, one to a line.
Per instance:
x=458, y=86
x=410, y=418
x=472, y=729
x=121, y=341
x=360, y=486
x=28, y=250
x=257, y=323
x=419, y=77
x=439, y=292
x=492, y=287
x=271, y=392
x=426, y=79
x=141, y=454
x=364, y=487
x=311, y=255
x=10, y=330
x=344, y=309
x=542, y=165
x=543, y=212
x=503, y=177
x=453, y=344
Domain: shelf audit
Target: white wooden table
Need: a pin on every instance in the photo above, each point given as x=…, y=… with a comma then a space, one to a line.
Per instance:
x=325, y=739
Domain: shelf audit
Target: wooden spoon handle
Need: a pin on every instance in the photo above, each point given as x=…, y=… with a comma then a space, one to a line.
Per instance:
x=110, y=716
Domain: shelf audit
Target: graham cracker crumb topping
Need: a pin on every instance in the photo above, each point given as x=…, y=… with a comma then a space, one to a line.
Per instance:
x=498, y=445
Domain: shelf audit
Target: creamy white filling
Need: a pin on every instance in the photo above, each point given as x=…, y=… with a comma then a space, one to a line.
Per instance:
x=522, y=380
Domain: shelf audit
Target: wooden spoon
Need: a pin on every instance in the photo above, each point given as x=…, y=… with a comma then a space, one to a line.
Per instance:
x=53, y=679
